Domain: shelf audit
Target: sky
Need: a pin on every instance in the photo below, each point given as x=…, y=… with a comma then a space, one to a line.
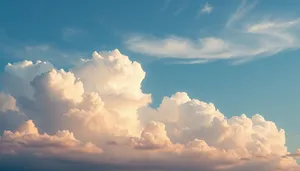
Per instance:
x=169, y=79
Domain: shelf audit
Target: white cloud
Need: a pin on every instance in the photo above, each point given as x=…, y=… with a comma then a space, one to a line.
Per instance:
x=27, y=139
x=19, y=75
x=58, y=85
x=101, y=103
x=180, y=47
x=7, y=103
x=243, y=41
x=187, y=119
x=154, y=136
x=178, y=11
x=207, y=9
x=241, y=11
x=10, y=115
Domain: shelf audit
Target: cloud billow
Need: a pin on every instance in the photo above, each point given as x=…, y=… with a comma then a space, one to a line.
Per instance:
x=96, y=115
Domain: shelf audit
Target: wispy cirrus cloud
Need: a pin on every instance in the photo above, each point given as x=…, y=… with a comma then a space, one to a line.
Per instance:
x=240, y=12
x=178, y=11
x=207, y=9
x=243, y=40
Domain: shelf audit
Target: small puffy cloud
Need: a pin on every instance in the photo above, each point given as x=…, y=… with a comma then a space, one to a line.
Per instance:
x=100, y=102
x=28, y=128
x=10, y=116
x=207, y=9
x=295, y=155
x=153, y=136
x=7, y=103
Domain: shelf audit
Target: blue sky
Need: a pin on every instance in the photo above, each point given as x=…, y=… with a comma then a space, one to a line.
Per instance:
x=249, y=65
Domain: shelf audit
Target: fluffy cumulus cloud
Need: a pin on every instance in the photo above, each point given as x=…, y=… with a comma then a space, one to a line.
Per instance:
x=7, y=103
x=27, y=139
x=188, y=119
x=10, y=116
x=21, y=74
x=95, y=116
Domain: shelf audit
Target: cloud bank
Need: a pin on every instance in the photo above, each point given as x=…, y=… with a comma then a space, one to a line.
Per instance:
x=242, y=40
x=95, y=116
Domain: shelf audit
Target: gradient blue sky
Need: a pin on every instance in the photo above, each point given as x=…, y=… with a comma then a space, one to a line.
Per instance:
x=267, y=83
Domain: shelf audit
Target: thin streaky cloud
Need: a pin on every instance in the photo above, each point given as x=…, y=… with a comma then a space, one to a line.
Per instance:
x=241, y=11
x=178, y=11
x=245, y=40
x=181, y=8
x=206, y=9
x=201, y=61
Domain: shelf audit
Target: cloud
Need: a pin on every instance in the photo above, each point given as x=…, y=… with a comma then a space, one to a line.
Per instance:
x=187, y=119
x=295, y=155
x=241, y=11
x=19, y=75
x=206, y=9
x=242, y=41
x=154, y=136
x=180, y=47
x=178, y=11
x=10, y=115
x=182, y=7
x=7, y=103
x=28, y=140
x=95, y=115
x=78, y=97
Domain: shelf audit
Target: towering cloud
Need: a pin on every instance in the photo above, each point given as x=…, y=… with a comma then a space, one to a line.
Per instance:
x=19, y=75
x=100, y=102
